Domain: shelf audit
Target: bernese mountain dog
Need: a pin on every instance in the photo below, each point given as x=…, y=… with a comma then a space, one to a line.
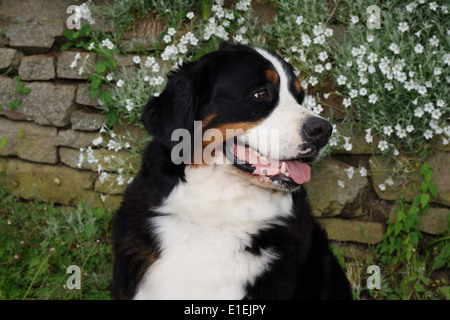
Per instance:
x=226, y=217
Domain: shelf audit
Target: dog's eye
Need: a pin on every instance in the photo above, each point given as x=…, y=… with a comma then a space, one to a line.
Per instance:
x=263, y=94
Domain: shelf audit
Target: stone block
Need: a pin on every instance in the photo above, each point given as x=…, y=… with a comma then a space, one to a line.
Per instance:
x=354, y=231
x=434, y=221
x=37, y=67
x=87, y=121
x=76, y=139
x=327, y=198
x=29, y=141
x=84, y=97
x=55, y=183
x=34, y=38
x=75, y=65
x=439, y=163
x=46, y=104
x=9, y=58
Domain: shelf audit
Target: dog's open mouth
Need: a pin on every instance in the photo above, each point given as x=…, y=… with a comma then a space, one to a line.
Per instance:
x=290, y=171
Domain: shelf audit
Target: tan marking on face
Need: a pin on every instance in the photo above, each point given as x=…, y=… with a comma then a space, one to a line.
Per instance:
x=271, y=75
x=298, y=86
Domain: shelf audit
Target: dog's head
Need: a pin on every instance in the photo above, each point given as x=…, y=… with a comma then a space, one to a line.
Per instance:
x=245, y=106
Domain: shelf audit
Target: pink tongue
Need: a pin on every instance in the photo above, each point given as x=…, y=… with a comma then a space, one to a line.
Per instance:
x=300, y=172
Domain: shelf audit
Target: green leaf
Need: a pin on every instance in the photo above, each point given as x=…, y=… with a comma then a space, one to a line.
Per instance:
x=3, y=141
x=14, y=105
x=397, y=228
x=432, y=187
x=20, y=133
x=111, y=118
x=424, y=198
x=425, y=168
x=89, y=230
x=66, y=45
x=68, y=34
x=100, y=67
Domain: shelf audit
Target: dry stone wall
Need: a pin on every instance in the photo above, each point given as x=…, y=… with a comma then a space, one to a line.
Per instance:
x=49, y=125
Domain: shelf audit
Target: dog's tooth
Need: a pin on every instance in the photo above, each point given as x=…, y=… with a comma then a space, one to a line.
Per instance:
x=283, y=168
x=287, y=174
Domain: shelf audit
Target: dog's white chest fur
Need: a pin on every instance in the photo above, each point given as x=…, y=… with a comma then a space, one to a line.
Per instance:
x=209, y=223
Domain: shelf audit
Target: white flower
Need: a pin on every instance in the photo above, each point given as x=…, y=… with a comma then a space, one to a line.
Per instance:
x=319, y=39
x=129, y=105
x=109, y=77
x=373, y=98
x=313, y=81
x=433, y=6
x=91, y=46
x=190, y=15
x=341, y=184
x=436, y=114
x=387, y=130
x=446, y=58
x=299, y=20
x=388, y=86
x=354, y=19
x=350, y=172
x=394, y=48
x=428, y=134
x=422, y=90
x=333, y=142
x=149, y=62
x=428, y=107
x=437, y=71
x=363, y=172
x=353, y=93
x=403, y=26
x=171, y=31
x=401, y=133
x=136, y=59
x=119, y=83
x=389, y=182
x=243, y=5
x=440, y=103
x=346, y=102
x=368, y=136
x=341, y=80
x=382, y=145
x=319, y=68
x=328, y=66
x=107, y=43
x=372, y=57
x=323, y=56
x=328, y=32
x=410, y=128
x=347, y=145
x=306, y=40
x=382, y=187
x=120, y=180
x=167, y=38
x=418, y=112
x=370, y=38
x=238, y=38
x=97, y=141
x=434, y=41
x=362, y=91
x=418, y=48
x=317, y=109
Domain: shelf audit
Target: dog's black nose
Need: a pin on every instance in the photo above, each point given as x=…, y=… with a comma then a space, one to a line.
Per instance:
x=317, y=131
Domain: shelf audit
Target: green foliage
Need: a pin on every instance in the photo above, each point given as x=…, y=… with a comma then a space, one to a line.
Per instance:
x=38, y=241
x=78, y=38
x=400, y=250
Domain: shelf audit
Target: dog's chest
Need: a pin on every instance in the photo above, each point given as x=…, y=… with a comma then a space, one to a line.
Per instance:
x=204, y=242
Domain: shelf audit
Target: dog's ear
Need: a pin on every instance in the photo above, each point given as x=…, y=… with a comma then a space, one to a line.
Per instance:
x=174, y=108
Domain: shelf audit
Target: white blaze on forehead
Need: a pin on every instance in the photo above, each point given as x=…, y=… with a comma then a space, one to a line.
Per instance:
x=286, y=119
